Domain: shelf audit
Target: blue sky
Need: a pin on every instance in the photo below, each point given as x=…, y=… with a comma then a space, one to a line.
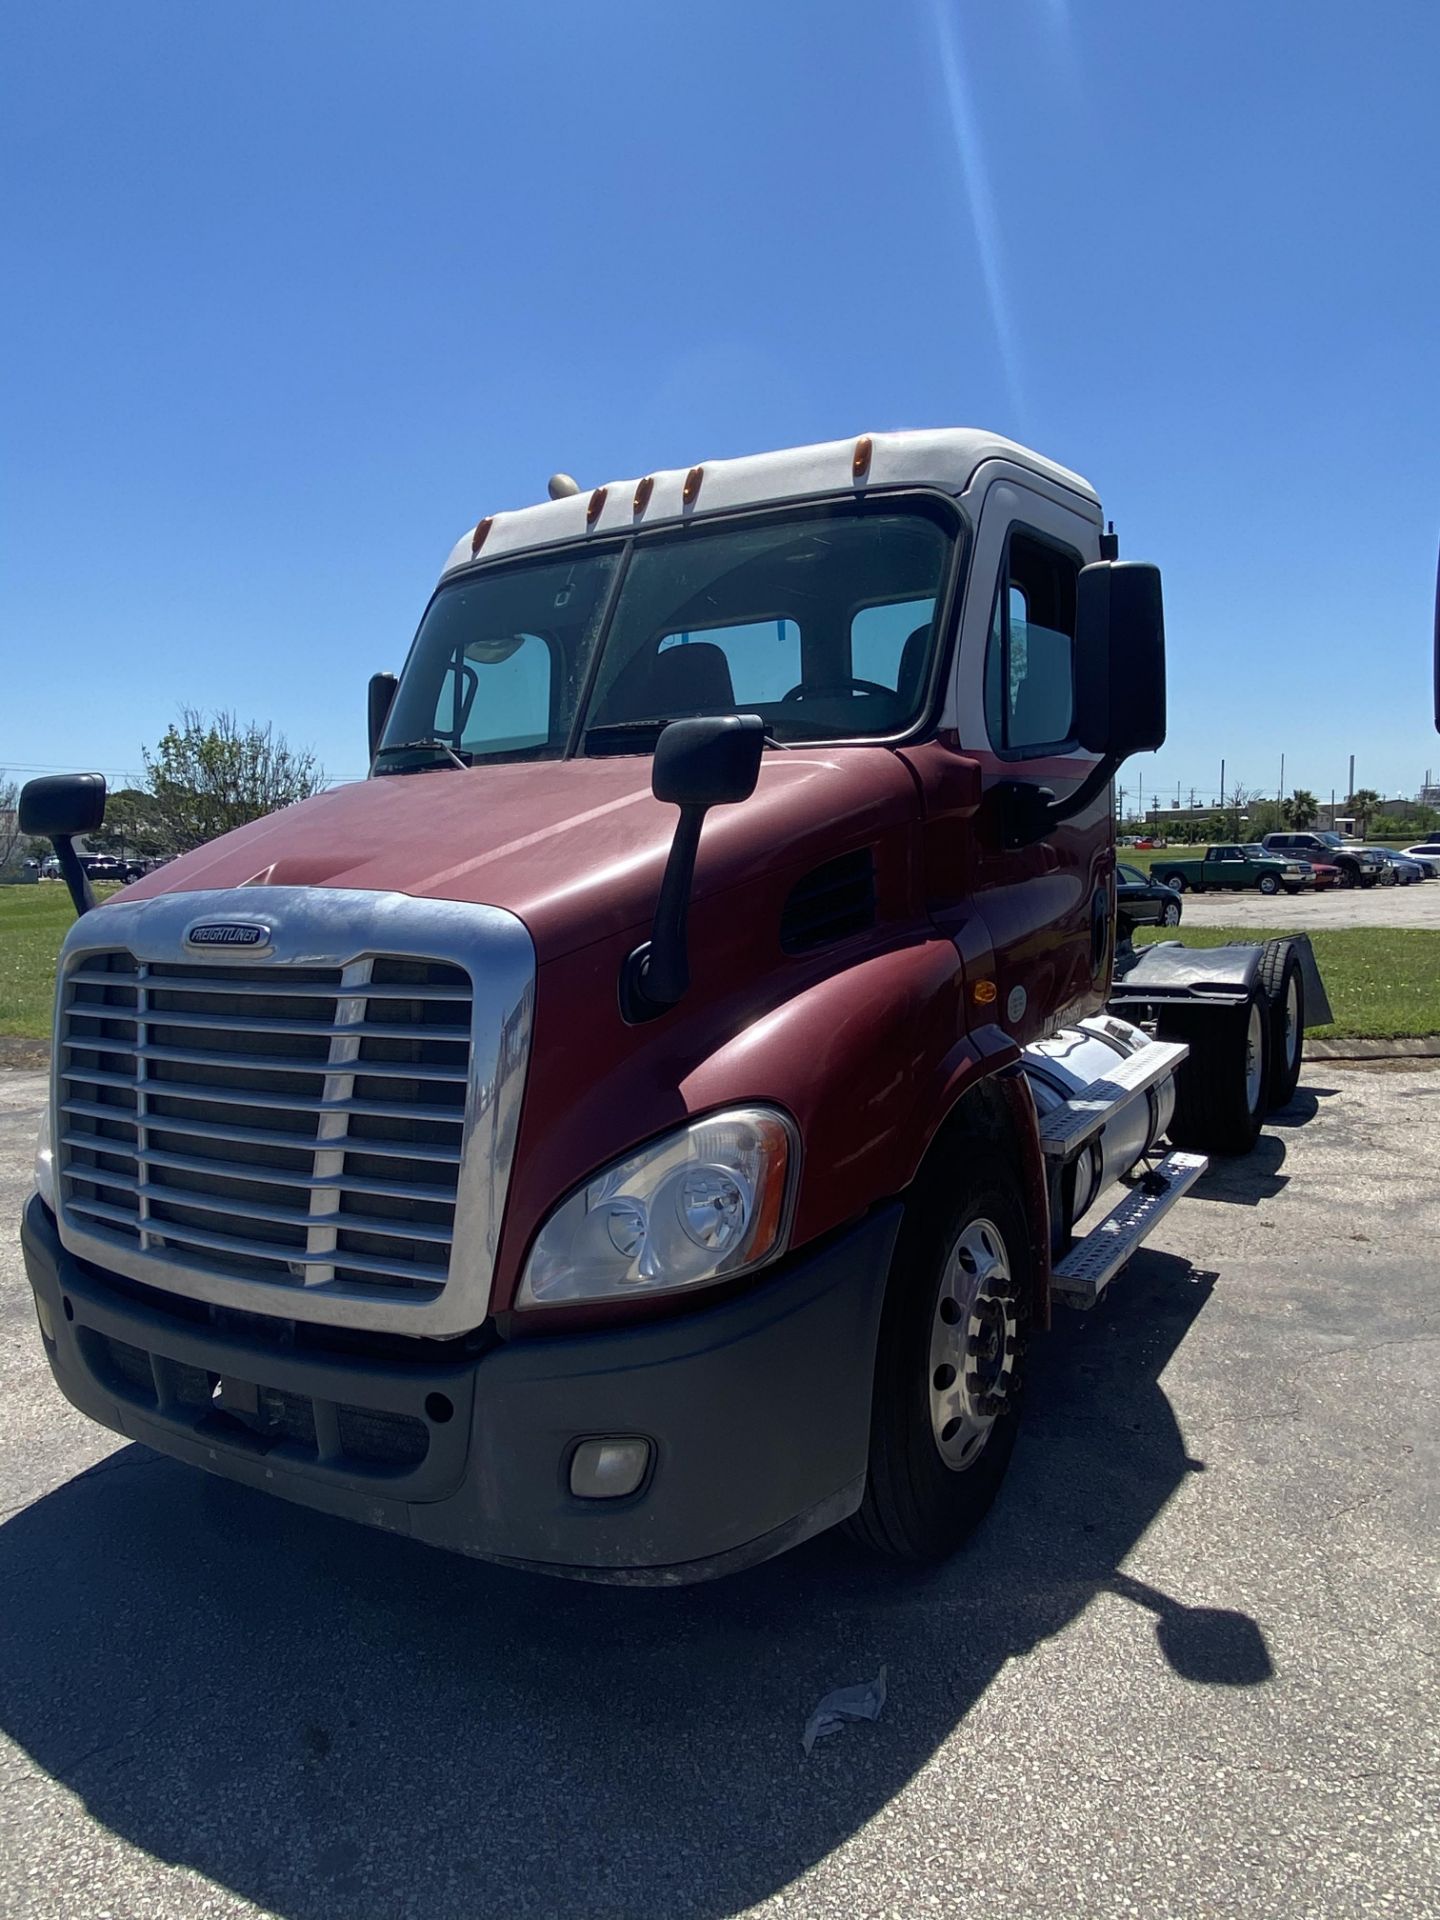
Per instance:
x=295, y=291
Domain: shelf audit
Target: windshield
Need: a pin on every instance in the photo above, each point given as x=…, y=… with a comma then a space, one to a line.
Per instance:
x=823, y=623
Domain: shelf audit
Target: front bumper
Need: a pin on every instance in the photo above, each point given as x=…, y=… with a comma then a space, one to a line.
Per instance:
x=757, y=1411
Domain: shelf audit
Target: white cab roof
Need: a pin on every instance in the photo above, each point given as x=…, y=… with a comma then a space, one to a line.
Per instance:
x=944, y=458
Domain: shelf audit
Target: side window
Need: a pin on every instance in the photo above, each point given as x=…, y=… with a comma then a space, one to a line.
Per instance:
x=763, y=656
x=496, y=699
x=1030, y=660
x=890, y=645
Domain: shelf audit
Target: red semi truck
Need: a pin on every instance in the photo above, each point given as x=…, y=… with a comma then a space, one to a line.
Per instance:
x=645, y=1122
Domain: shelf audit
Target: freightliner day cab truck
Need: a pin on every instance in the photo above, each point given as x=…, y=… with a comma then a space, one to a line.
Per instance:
x=646, y=1121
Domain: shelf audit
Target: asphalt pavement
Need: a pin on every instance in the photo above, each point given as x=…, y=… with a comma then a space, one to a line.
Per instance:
x=1187, y=1668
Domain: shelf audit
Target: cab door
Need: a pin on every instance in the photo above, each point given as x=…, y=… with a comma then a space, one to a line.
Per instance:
x=1226, y=867
x=1048, y=904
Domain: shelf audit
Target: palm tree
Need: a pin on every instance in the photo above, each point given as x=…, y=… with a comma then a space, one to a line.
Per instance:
x=1362, y=804
x=1301, y=809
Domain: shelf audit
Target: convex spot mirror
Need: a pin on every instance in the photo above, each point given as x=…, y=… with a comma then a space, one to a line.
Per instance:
x=1120, y=659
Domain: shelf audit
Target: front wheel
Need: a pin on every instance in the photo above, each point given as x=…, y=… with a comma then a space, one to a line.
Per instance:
x=949, y=1363
x=1171, y=916
x=1221, y=1090
x=1348, y=877
x=1268, y=883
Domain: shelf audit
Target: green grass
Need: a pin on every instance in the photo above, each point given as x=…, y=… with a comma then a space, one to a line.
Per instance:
x=33, y=922
x=1383, y=982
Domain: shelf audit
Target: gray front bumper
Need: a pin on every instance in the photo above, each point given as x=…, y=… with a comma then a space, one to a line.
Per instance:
x=758, y=1411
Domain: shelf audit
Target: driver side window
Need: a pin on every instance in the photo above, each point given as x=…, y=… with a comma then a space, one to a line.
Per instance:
x=1030, y=659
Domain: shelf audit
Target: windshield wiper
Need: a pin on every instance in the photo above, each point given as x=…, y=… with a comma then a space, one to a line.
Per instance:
x=620, y=736
x=423, y=746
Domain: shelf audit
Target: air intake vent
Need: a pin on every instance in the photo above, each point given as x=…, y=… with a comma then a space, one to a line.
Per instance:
x=831, y=902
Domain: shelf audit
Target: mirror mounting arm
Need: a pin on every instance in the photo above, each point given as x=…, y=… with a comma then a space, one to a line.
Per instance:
x=657, y=973
x=1028, y=813
x=74, y=875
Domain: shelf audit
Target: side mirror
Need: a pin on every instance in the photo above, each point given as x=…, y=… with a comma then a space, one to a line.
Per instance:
x=1119, y=659
x=699, y=764
x=708, y=763
x=382, y=695
x=57, y=807
x=62, y=804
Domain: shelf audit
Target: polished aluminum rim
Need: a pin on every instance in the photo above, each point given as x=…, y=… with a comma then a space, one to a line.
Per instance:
x=1292, y=1021
x=1172, y=914
x=972, y=1345
x=1254, y=1057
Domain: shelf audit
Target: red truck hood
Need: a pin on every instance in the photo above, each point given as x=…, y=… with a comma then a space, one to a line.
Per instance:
x=574, y=847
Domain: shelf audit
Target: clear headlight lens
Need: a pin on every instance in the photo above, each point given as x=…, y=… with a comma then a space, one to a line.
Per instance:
x=707, y=1202
x=45, y=1160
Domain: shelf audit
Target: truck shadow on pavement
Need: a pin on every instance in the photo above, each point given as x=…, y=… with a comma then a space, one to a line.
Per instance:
x=333, y=1722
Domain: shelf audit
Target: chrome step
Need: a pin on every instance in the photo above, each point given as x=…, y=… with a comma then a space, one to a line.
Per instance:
x=1092, y=1263
x=1071, y=1125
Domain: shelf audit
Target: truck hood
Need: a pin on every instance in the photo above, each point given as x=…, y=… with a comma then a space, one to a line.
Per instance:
x=574, y=847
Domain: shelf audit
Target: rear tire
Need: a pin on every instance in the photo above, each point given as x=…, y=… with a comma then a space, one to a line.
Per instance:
x=1285, y=987
x=949, y=1365
x=1220, y=1092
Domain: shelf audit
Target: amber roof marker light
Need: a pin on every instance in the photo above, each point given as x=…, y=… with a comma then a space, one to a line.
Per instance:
x=643, y=493
x=860, y=464
x=691, y=491
x=477, y=539
x=595, y=505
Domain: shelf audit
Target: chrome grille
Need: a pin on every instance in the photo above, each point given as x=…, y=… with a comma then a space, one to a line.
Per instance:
x=301, y=1126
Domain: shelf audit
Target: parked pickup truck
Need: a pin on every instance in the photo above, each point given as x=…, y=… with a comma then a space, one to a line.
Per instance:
x=1231, y=867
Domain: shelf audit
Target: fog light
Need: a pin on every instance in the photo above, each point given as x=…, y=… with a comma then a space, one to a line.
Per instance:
x=608, y=1469
x=42, y=1314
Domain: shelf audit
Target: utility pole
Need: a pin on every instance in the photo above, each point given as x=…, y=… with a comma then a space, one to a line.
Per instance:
x=1222, y=786
x=1140, y=804
x=1281, y=794
x=1350, y=796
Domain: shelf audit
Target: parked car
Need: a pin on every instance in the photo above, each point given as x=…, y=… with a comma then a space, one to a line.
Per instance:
x=1141, y=900
x=1229, y=866
x=1427, y=855
x=1407, y=871
x=1358, y=867
x=1321, y=873
x=104, y=866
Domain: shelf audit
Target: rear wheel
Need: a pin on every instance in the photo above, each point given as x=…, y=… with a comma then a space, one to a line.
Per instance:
x=1220, y=1092
x=1175, y=880
x=1285, y=987
x=949, y=1364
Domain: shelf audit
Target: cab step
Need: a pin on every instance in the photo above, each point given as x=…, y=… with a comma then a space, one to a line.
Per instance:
x=1092, y=1263
x=1067, y=1129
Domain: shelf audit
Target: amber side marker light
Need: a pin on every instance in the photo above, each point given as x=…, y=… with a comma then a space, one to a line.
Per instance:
x=860, y=465
x=985, y=993
x=691, y=491
x=596, y=506
x=477, y=539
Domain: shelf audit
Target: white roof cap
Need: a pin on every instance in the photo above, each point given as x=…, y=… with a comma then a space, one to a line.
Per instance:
x=943, y=457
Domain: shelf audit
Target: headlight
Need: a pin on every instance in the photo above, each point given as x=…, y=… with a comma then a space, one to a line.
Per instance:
x=45, y=1159
x=705, y=1203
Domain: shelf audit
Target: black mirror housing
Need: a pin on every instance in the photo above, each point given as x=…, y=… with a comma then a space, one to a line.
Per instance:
x=381, y=699
x=1120, y=659
x=713, y=762
x=60, y=805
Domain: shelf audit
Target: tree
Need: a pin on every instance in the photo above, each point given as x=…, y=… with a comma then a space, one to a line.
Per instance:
x=133, y=826
x=1266, y=816
x=1240, y=800
x=1386, y=827
x=210, y=774
x=1302, y=809
x=1362, y=804
x=9, y=821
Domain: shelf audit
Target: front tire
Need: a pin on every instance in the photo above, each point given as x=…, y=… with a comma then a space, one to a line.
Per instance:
x=949, y=1363
x=1268, y=884
x=1171, y=916
x=1220, y=1092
